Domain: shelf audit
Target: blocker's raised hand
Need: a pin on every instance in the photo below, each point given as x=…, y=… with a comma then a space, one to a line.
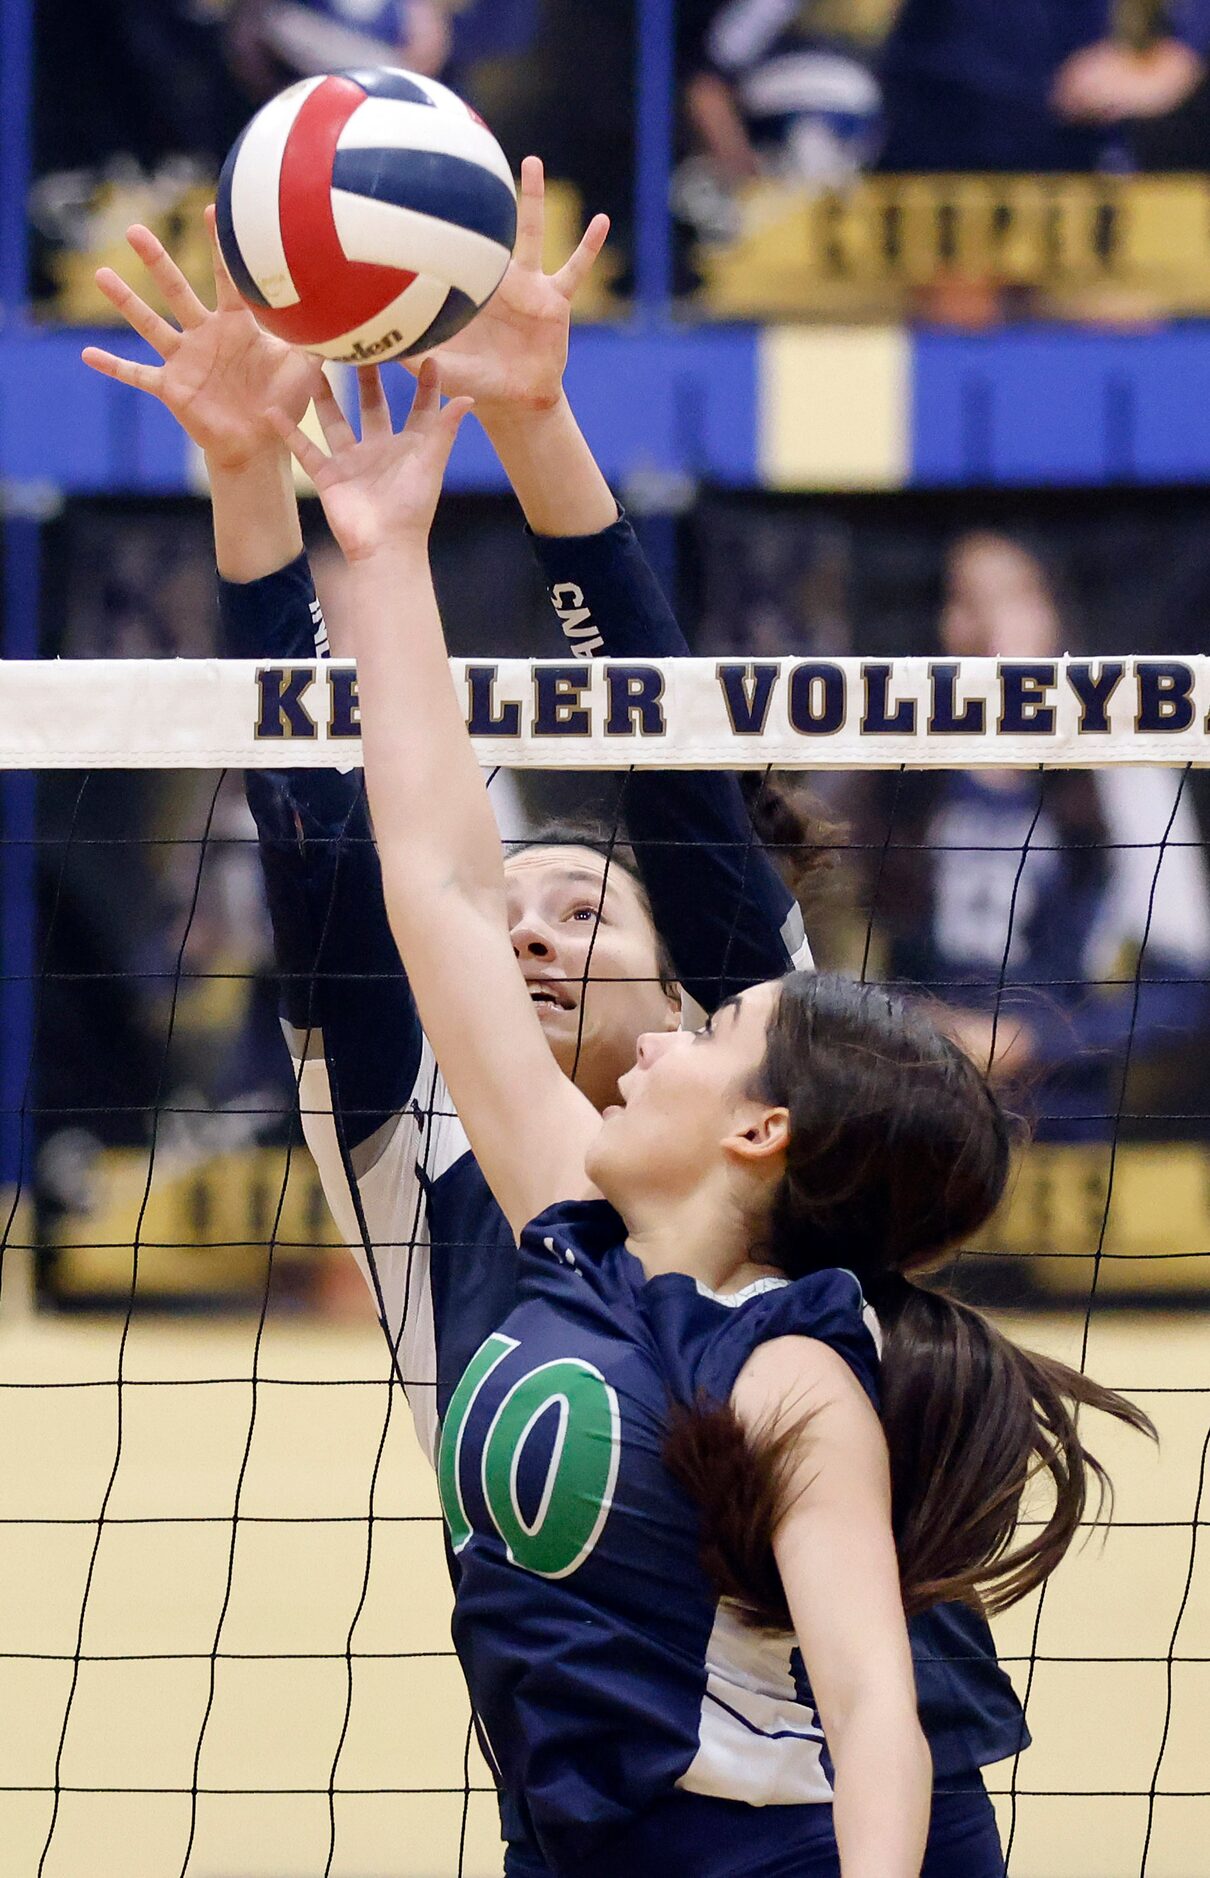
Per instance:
x=512, y=356
x=385, y=488
x=222, y=373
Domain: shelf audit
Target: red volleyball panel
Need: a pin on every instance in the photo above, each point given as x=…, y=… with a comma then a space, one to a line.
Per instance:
x=335, y=295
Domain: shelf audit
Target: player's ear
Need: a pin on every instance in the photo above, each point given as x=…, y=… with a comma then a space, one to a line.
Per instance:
x=759, y=1139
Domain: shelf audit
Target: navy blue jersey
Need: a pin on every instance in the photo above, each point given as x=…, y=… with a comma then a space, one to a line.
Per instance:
x=408, y=1197
x=603, y=1669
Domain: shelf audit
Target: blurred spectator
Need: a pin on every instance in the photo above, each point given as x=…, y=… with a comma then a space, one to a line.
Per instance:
x=782, y=88
x=1029, y=84
x=1024, y=903
x=273, y=41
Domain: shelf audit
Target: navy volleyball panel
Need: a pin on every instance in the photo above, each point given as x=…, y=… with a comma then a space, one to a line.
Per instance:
x=228, y=241
x=447, y=187
x=380, y=81
x=458, y=311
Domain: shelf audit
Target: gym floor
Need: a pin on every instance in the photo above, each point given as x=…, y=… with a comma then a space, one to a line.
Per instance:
x=308, y=1573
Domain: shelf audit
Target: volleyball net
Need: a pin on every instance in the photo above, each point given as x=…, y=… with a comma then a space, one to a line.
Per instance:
x=224, y=1620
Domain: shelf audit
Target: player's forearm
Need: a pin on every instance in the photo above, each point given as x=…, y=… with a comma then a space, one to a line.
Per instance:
x=256, y=526
x=432, y=819
x=554, y=474
x=884, y=1778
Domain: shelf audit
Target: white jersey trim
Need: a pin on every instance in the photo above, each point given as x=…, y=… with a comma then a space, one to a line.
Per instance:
x=756, y=1741
x=733, y=1299
x=391, y=1171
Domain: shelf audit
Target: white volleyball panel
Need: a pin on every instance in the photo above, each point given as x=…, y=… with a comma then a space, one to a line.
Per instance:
x=389, y=236
x=394, y=124
x=398, y=326
x=442, y=96
x=254, y=193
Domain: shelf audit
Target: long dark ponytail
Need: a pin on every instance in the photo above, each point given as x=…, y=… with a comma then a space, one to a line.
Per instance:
x=899, y=1151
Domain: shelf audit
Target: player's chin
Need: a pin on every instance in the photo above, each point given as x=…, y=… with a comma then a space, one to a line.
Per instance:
x=569, y=1042
x=561, y=1028
x=599, y=1159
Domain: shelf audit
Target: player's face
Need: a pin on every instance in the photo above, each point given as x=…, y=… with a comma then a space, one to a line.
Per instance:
x=686, y=1103
x=584, y=940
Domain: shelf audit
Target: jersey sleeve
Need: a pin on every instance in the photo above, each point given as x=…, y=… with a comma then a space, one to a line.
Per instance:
x=373, y=1107
x=723, y=911
x=828, y=1306
x=705, y=1339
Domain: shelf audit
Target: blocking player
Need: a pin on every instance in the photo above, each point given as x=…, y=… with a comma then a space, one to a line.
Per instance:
x=408, y=1196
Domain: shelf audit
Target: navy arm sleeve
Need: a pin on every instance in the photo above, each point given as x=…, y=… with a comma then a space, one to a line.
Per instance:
x=725, y=914
x=372, y=1105
x=340, y=972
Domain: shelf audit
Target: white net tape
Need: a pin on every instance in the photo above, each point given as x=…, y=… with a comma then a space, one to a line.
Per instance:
x=614, y=714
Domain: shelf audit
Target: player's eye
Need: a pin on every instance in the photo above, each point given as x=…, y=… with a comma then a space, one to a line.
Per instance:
x=585, y=912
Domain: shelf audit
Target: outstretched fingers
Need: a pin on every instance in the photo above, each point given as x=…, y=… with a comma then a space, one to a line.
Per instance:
x=178, y=294
x=227, y=294
x=576, y=269
x=451, y=417
x=531, y=233
x=431, y=421
x=335, y=425
x=375, y=411
x=149, y=325
x=126, y=371
x=427, y=401
x=531, y=216
x=308, y=454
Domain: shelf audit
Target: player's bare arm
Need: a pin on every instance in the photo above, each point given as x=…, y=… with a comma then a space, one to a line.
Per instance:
x=437, y=837
x=836, y=1556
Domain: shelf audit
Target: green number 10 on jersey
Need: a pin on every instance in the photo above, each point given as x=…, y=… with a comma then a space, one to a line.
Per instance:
x=573, y=1502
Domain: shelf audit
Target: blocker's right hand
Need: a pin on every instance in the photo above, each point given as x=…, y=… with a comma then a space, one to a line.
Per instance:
x=222, y=373
x=512, y=356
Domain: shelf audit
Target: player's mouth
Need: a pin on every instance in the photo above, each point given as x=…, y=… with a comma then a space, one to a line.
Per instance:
x=549, y=994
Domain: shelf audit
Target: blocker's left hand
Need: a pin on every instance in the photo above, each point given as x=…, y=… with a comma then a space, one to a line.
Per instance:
x=383, y=490
x=221, y=372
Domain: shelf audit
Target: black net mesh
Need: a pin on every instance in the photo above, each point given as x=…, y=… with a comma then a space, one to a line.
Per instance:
x=224, y=1620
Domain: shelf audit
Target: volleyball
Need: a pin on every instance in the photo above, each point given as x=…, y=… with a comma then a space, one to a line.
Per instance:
x=366, y=215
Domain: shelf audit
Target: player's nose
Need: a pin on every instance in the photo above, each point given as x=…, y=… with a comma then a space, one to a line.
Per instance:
x=531, y=938
x=653, y=1044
